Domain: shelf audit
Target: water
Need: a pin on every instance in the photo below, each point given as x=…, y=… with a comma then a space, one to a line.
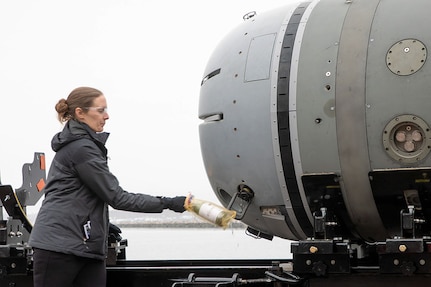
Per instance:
x=200, y=243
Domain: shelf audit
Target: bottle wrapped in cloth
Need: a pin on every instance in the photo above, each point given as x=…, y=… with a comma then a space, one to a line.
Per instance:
x=209, y=211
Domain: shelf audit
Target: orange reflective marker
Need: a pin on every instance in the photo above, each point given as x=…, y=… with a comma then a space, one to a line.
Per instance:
x=40, y=184
x=42, y=162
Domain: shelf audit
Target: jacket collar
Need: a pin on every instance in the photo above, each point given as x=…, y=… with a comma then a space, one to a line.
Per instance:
x=80, y=128
x=75, y=130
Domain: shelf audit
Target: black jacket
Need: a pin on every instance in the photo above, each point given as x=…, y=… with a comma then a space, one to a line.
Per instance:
x=79, y=189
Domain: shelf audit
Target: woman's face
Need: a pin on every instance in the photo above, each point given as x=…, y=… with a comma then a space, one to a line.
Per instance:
x=96, y=115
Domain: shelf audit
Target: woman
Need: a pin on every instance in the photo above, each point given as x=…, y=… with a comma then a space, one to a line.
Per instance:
x=69, y=237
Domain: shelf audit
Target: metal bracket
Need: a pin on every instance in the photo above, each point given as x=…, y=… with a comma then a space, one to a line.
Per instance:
x=408, y=222
x=243, y=199
x=321, y=224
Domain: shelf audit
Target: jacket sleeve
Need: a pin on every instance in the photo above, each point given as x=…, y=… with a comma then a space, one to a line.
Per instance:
x=94, y=173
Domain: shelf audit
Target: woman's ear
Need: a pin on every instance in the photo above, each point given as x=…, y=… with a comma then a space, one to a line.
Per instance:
x=79, y=113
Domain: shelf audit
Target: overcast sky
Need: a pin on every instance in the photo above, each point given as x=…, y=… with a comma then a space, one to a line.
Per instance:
x=147, y=57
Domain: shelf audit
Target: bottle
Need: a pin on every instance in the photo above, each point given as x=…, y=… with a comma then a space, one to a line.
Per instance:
x=209, y=211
